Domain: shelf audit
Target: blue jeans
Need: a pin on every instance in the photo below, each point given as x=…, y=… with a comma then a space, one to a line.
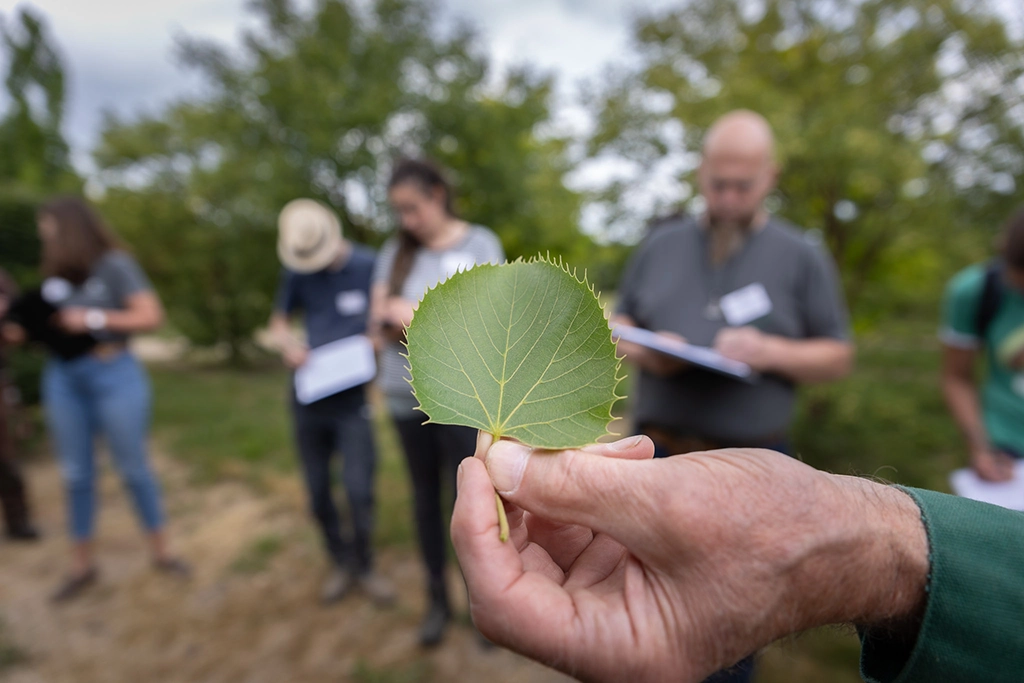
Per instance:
x=89, y=396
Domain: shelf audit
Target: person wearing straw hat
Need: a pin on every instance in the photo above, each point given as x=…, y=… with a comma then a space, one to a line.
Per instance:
x=326, y=278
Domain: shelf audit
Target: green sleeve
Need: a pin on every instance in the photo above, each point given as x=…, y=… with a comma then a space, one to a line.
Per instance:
x=960, y=308
x=973, y=626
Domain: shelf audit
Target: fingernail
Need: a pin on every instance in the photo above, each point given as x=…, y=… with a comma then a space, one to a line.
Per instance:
x=458, y=477
x=506, y=463
x=483, y=442
x=627, y=443
x=614, y=447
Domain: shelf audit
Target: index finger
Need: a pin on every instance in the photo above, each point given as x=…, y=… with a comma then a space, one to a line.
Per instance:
x=508, y=603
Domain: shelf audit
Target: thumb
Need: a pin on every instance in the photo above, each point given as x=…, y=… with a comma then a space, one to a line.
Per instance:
x=584, y=487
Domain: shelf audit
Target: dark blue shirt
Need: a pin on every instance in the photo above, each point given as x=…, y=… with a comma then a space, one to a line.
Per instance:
x=334, y=304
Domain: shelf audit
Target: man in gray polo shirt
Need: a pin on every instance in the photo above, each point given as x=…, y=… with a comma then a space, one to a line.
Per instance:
x=744, y=282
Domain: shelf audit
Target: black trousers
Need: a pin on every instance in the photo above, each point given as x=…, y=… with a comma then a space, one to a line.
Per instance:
x=13, y=498
x=340, y=426
x=433, y=453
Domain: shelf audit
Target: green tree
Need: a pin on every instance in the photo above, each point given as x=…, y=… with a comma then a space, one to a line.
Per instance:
x=34, y=159
x=898, y=122
x=33, y=152
x=319, y=104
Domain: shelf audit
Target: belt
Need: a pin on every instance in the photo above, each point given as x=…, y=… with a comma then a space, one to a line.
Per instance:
x=676, y=443
x=107, y=350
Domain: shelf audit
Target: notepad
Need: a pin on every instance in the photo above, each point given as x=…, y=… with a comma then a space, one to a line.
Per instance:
x=1007, y=494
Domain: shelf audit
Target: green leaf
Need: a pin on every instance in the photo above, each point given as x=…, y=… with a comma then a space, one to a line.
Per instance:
x=520, y=350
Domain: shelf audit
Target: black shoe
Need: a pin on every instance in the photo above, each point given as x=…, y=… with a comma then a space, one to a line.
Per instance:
x=24, y=532
x=73, y=586
x=434, y=624
x=439, y=613
x=172, y=566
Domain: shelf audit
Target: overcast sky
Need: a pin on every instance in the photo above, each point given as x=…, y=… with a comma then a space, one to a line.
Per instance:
x=118, y=53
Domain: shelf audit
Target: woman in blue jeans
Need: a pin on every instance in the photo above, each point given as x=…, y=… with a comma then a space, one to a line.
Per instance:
x=97, y=289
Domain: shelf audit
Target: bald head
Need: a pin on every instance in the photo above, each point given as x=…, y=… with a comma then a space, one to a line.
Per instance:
x=740, y=133
x=737, y=168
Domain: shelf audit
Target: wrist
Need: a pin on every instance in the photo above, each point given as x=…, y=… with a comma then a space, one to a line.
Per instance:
x=95, y=320
x=980, y=448
x=868, y=561
x=774, y=354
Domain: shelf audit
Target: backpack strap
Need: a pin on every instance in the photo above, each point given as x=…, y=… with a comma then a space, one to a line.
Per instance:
x=991, y=297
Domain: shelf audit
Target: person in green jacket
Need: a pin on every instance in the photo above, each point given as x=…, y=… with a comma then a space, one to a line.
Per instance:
x=622, y=567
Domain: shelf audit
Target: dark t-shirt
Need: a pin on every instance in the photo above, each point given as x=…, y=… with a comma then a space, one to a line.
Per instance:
x=668, y=285
x=334, y=304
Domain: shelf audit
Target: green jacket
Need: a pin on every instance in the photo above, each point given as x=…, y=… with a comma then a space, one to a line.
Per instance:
x=973, y=627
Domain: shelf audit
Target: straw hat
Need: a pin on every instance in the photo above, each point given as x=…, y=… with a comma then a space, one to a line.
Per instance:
x=309, y=236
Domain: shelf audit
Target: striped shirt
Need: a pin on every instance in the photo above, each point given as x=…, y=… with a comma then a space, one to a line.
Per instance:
x=480, y=245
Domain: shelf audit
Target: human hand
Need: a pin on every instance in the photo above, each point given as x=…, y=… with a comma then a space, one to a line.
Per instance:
x=12, y=333
x=624, y=568
x=399, y=312
x=72, y=320
x=650, y=360
x=747, y=345
x=992, y=465
x=294, y=354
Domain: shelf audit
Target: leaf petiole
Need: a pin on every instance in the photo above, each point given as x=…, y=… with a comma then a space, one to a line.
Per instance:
x=502, y=519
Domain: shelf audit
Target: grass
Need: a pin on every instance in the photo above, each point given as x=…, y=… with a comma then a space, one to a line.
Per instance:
x=888, y=421
x=257, y=556
x=11, y=654
x=235, y=424
x=417, y=672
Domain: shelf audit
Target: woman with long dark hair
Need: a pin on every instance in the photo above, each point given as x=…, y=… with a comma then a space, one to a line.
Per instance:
x=432, y=244
x=97, y=289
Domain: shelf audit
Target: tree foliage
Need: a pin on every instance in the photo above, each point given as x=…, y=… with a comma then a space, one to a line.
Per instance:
x=33, y=152
x=34, y=159
x=319, y=104
x=899, y=121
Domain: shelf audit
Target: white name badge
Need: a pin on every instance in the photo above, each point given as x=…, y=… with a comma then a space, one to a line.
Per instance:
x=351, y=302
x=746, y=304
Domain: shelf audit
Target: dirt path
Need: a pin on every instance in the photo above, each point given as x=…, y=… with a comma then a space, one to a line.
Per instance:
x=249, y=615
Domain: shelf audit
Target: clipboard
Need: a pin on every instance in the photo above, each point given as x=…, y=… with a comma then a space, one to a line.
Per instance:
x=335, y=367
x=700, y=356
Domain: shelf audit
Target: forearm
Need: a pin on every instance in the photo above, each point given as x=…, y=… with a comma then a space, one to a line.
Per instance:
x=962, y=398
x=806, y=361
x=132, y=322
x=280, y=331
x=867, y=564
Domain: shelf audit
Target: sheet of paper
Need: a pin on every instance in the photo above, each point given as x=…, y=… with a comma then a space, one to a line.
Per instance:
x=335, y=367
x=698, y=355
x=1008, y=494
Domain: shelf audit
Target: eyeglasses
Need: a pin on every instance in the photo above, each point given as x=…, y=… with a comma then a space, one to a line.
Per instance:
x=740, y=186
